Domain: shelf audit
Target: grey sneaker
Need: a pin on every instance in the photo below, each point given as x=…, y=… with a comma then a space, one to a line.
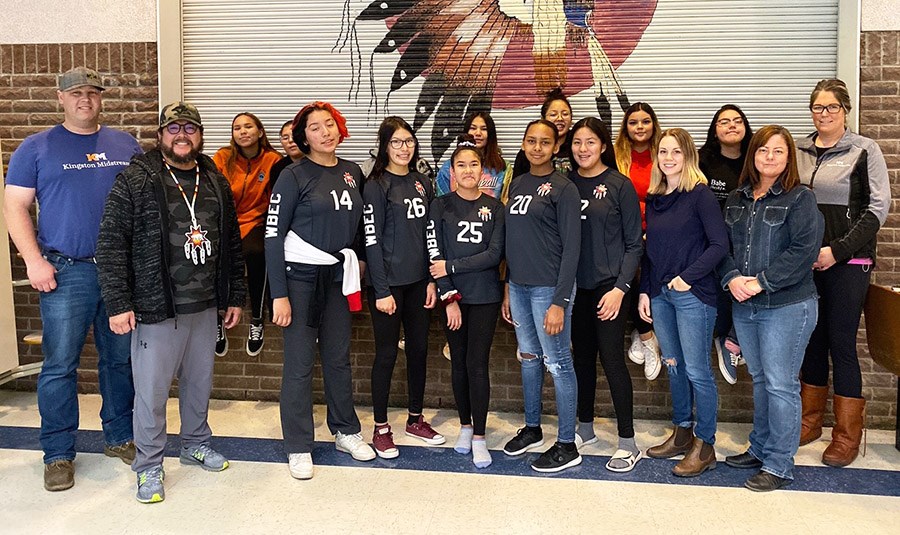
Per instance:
x=652, y=362
x=354, y=445
x=204, y=457
x=635, y=352
x=150, y=485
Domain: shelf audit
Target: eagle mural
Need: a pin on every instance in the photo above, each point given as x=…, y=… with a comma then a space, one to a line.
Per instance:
x=478, y=55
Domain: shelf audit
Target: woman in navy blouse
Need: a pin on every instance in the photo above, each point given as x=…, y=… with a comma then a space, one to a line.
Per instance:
x=686, y=239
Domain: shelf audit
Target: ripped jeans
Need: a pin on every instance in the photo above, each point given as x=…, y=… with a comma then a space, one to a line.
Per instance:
x=684, y=328
x=528, y=305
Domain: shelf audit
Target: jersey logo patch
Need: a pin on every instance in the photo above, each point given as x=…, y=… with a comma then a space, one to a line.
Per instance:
x=544, y=189
x=348, y=179
x=600, y=191
x=420, y=188
x=485, y=213
x=96, y=157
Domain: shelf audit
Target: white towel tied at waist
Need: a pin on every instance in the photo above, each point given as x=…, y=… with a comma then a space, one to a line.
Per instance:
x=297, y=250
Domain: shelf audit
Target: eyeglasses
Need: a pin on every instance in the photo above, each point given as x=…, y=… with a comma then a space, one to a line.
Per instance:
x=175, y=128
x=832, y=108
x=725, y=122
x=397, y=144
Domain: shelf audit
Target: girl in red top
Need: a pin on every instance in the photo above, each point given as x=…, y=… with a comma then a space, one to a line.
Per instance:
x=246, y=162
x=636, y=147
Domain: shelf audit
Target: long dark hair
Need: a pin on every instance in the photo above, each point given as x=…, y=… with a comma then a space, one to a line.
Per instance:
x=263, y=143
x=712, y=141
x=598, y=127
x=623, y=142
x=385, y=131
x=490, y=155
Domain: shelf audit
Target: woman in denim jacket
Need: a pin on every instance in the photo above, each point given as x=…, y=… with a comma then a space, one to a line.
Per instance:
x=775, y=231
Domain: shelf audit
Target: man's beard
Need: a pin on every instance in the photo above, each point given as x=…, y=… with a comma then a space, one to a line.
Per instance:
x=170, y=154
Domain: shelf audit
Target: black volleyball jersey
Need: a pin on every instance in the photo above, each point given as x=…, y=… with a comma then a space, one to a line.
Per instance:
x=469, y=235
x=543, y=233
x=320, y=204
x=611, y=245
x=394, y=220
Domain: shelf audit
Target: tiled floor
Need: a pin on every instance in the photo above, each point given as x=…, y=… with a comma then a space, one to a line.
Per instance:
x=430, y=490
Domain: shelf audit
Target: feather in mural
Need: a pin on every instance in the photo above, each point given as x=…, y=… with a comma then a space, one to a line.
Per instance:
x=478, y=55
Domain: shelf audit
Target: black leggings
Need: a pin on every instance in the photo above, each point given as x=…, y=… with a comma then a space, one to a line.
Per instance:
x=842, y=292
x=590, y=335
x=253, y=247
x=415, y=317
x=470, y=351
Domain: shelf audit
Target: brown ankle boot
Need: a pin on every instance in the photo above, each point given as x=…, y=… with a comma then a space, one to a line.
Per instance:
x=849, y=416
x=813, y=399
x=699, y=459
x=678, y=443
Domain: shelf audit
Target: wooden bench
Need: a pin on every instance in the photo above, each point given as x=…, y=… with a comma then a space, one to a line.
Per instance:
x=883, y=334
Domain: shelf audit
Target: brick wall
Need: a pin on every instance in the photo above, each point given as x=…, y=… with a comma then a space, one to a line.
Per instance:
x=879, y=109
x=28, y=104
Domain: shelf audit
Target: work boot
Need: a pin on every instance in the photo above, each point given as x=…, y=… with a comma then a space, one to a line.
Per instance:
x=813, y=400
x=678, y=443
x=699, y=459
x=850, y=417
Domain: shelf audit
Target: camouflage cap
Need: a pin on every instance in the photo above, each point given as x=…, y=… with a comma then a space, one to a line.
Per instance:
x=80, y=76
x=179, y=111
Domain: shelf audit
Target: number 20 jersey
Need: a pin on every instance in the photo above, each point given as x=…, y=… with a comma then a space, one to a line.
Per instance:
x=543, y=233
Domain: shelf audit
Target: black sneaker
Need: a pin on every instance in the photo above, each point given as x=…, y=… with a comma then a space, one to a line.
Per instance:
x=557, y=459
x=221, y=339
x=255, y=340
x=526, y=438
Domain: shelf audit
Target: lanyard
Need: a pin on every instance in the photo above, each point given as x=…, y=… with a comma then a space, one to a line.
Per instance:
x=190, y=204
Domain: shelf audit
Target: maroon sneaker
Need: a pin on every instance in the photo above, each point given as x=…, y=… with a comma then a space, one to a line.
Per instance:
x=423, y=431
x=383, y=441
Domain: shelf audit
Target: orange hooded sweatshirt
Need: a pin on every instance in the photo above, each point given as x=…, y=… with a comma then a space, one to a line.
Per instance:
x=251, y=185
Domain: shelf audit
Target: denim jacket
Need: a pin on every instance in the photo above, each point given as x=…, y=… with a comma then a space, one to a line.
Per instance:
x=776, y=239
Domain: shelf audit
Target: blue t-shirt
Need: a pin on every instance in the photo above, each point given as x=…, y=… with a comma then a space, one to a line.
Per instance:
x=71, y=175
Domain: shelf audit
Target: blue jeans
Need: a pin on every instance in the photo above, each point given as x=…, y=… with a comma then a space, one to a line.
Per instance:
x=773, y=342
x=684, y=327
x=528, y=305
x=67, y=314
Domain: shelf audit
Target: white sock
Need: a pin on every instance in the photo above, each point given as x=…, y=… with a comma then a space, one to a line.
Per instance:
x=464, y=442
x=481, y=456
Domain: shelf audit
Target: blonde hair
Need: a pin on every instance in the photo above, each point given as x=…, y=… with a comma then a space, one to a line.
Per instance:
x=624, y=145
x=691, y=175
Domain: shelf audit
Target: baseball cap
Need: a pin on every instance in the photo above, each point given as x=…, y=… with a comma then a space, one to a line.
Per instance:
x=78, y=77
x=179, y=111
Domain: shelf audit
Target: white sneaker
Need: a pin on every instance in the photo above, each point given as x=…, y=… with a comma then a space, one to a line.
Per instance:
x=354, y=445
x=635, y=352
x=652, y=363
x=301, y=465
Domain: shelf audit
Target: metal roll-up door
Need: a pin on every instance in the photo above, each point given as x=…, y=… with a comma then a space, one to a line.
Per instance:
x=690, y=57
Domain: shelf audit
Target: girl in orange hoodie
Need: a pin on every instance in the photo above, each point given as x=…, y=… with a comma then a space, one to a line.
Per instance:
x=247, y=163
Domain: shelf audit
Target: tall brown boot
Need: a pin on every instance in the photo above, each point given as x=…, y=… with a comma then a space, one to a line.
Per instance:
x=813, y=399
x=849, y=416
x=678, y=443
x=699, y=459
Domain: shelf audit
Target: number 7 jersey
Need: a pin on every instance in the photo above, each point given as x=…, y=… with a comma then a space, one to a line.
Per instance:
x=394, y=219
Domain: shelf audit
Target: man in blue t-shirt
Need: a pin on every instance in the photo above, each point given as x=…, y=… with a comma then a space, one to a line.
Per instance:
x=70, y=169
